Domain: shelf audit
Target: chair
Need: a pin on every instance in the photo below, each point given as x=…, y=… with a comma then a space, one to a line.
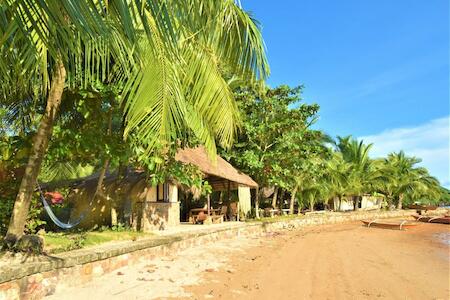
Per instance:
x=200, y=217
x=232, y=213
x=223, y=211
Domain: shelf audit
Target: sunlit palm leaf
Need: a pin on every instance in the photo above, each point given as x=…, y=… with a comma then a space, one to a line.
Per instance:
x=166, y=53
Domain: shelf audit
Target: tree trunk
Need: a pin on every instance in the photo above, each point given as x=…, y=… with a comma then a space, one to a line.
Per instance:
x=355, y=202
x=311, y=204
x=300, y=205
x=339, y=203
x=274, y=198
x=400, y=201
x=291, y=203
x=40, y=142
x=281, y=198
x=101, y=176
x=257, y=203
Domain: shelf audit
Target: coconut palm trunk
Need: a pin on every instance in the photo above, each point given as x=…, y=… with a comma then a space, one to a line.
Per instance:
x=291, y=203
x=311, y=203
x=400, y=201
x=40, y=142
x=339, y=203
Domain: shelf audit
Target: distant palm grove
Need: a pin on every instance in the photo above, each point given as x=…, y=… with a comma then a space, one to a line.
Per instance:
x=96, y=86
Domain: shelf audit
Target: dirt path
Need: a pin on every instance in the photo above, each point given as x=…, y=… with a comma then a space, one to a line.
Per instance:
x=328, y=262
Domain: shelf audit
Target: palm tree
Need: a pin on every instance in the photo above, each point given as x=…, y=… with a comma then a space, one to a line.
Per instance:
x=364, y=174
x=313, y=191
x=338, y=172
x=165, y=55
x=407, y=178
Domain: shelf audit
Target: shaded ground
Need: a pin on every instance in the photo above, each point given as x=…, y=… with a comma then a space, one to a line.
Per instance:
x=345, y=261
x=60, y=242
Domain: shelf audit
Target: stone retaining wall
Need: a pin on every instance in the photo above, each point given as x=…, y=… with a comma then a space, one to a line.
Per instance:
x=34, y=280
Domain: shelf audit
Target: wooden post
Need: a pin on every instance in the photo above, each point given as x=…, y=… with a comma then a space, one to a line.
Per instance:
x=237, y=206
x=166, y=192
x=257, y=203
x=229, y=201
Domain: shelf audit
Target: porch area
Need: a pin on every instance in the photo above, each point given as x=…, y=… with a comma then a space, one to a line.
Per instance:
x=171, y=205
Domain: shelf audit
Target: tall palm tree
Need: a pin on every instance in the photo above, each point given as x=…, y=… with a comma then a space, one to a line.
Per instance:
x=314, y=190
x=165, y=55
x=363, y=173
x=337, y=177
x=407, y=178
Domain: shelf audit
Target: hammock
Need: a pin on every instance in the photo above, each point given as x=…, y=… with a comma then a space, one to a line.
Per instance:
x=53, y=217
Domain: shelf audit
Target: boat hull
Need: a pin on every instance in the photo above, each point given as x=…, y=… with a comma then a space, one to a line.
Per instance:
x=422, y=207
x=430, y=219
x=389, y=225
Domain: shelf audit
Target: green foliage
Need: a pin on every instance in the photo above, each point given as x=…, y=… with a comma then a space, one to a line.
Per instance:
x=407, y=181
x=34, y=221
x=363, y=173
x=13, y=152
x=6, y=206
x=88, y=131
x=165, y=56
x=445, y=196
x=275, y=139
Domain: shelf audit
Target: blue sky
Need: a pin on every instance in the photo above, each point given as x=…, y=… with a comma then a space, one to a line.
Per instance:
x=378, y=69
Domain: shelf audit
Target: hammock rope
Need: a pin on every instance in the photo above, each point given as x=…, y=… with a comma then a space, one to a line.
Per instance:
x=54, y=218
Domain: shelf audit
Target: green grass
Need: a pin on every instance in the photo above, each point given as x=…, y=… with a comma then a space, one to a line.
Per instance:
x=61, y=242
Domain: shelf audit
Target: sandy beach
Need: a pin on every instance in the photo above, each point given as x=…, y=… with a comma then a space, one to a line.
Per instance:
x=345, y=261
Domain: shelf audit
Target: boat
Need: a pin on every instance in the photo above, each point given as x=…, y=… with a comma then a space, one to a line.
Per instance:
x=399, y=224
x=419, y=207
x=433, y=219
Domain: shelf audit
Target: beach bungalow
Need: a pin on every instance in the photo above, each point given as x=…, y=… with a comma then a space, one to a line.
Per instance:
x=367, y=202
x=132, y=201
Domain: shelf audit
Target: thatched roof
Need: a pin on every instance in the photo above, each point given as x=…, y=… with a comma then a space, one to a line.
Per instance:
x=220, y=174
x=216, y=170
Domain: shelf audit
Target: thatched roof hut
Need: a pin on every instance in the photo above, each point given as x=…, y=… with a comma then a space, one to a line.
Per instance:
x=125, y=195
x=219, y=173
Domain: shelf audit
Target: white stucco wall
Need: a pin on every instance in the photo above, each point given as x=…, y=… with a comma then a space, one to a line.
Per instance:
x=345, y=204
x=173, y=193
x=370, y=202
x=367, y=203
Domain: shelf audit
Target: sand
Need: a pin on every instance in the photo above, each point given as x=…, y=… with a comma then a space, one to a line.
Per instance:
x=344, y=261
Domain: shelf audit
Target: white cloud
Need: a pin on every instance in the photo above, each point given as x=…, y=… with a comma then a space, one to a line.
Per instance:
x=429, y=141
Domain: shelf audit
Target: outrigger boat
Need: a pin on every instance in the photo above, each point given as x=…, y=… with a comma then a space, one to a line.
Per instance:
x=422, y=207
x=402, y=224
x=431, y=219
